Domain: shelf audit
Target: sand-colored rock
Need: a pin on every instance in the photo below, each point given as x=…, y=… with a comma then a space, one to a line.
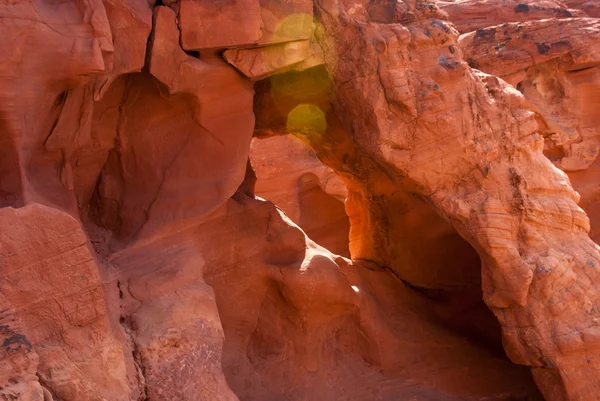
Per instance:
x=514, y=48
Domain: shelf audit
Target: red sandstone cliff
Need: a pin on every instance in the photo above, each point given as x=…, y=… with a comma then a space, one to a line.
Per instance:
x=299, y=200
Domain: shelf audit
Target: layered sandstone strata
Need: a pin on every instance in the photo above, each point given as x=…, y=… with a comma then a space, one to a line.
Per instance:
x=555, y=64
x=139, y=262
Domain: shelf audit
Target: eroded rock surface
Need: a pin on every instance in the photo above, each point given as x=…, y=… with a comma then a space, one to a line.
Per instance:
x=516, y=220
x=19, y=363
x=239, y=23
x=269, y=60
x=470, y=15
x=290, y=175
x=50, y=275
x=417, y=228
x=555, y=64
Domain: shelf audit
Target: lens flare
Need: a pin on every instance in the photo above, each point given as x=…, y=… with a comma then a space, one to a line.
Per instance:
x=294, y=27
x=307, y=117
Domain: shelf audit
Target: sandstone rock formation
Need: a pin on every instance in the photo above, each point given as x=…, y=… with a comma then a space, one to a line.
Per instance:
x=555, y=64
x=417, y=239
x=290, y=175
x=470, y=15
x=19, y=360
x=374, y=63
x=590, y=7
x=53, y=283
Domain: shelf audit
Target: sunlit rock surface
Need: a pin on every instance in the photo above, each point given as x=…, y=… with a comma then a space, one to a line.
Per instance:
x=302, y=200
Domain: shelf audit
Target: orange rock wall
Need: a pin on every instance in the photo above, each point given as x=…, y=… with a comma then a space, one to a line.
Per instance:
x=327, y=199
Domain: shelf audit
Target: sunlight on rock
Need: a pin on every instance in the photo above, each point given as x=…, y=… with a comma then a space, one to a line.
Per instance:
x=297, y=25
x=307, y=117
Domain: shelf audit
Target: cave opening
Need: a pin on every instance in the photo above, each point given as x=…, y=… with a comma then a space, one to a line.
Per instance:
x=394, y=227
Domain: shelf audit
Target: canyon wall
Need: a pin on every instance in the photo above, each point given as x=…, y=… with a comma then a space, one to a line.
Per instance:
x=299, y=199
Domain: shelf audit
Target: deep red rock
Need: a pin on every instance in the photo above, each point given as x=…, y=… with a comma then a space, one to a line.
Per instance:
x=470, y=15
x=311, y=194
x=53, y=281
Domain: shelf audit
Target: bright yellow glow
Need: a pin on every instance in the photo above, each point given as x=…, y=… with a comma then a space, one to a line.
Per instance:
x=306, y=117
x=294, y=26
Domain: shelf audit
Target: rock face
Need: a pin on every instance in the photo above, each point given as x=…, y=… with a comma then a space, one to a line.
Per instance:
x=470, y=15
x=19, y=360
x=290, y=175
x=238, y=23
x=590, y=7
x=50, y=276
x=266, y=61
x=293, y=199
x=555, y=64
